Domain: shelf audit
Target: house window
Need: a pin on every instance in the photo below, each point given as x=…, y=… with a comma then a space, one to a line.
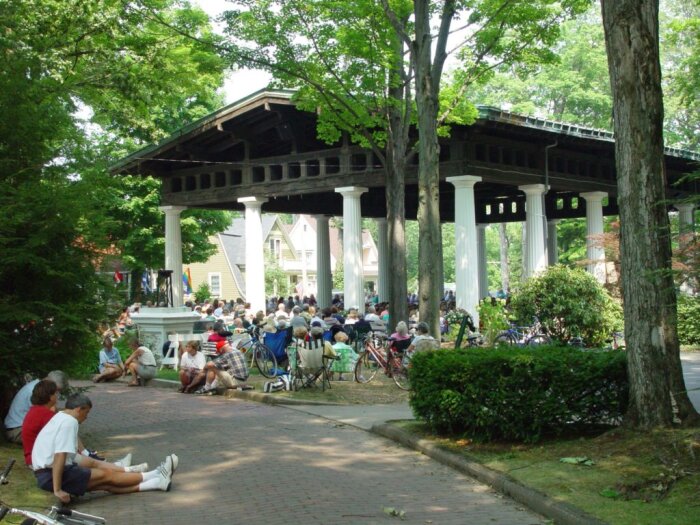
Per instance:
x=276, y=249
x=215, y=284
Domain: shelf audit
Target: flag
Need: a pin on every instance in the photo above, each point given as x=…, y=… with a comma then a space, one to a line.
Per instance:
x=118, y=277
x=146, y=282
x=187, y=281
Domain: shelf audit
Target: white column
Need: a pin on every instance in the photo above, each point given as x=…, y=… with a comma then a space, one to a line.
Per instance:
x=466, y=250
x=254, y=260
x=173, y=250
x=324, y=280
x=686, y=217
x=383, y=260
x=535, y=255
x=594, y=226
x=352, y=246
x=483, y=264
x=552, y=247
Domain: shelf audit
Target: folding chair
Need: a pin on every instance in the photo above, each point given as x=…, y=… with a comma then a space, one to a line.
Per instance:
x=277, y=343
x=311, y=365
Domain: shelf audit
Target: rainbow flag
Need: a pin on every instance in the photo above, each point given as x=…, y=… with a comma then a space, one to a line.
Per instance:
x=187, y=281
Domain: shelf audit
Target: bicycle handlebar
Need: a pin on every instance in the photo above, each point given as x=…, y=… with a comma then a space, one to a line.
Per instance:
x=6, y=472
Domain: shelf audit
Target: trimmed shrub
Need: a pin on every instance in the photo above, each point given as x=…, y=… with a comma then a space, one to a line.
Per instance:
x=518, y=394
x=689, y=320
x=569, y=302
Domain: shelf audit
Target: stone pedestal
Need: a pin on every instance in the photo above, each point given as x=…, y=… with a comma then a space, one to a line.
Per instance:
x=156, y=323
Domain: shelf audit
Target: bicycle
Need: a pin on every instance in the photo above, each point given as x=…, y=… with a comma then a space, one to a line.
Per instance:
x=258, y=354
x=55, y=516
x=373, y=359
x=524, y=335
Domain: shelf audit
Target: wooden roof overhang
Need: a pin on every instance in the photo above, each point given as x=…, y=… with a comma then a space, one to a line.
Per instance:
x=263, y=146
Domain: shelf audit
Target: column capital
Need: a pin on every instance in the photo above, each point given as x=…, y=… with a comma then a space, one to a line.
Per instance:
x=553, y=222
x=253, y=202
x=594, y=196
x=482, y=225
x=533, y=189
x=351, y=191
x=464, y=181
x=322, y=217
x=172, y=210
x=686, y=207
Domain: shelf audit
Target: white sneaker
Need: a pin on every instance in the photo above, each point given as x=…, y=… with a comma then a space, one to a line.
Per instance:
x=164, y=481
x=169, y=466
x=125, y=461
x=141, y=467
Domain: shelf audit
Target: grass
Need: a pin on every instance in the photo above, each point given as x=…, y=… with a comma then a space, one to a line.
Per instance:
x=22, y=491
x=382, y=390
x=636, y=479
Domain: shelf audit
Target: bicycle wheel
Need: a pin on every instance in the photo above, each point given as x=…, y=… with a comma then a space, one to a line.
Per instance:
x=399, y=374
x=366, y=368
x=539, y=339
x=265, y=360
x=504, y=338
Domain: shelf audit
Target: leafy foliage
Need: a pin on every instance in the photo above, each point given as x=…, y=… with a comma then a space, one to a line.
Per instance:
x=202, y=293
x=517, y=394
x=493, y=317
x=689, y=320
x=569, y=302
x=78, y=77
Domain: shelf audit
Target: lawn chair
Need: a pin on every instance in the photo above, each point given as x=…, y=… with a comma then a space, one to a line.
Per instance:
x=310, y=366
x=277, y=343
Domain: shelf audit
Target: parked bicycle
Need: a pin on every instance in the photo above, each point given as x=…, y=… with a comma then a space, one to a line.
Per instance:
x=373, y=360
x=534, y=335
x=55, y=515
x=257, y=353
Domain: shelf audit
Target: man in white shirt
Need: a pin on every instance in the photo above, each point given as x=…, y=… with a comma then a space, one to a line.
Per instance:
x=192, y=373
x=55, y=469
x=371, y=315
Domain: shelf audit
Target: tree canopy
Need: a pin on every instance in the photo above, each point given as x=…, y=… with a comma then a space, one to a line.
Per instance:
x=82, y=83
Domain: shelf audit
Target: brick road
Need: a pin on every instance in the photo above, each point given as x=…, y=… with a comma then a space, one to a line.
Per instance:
x=249, y=463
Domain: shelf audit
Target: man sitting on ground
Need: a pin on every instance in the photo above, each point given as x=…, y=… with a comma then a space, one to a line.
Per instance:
x=192, y=365
x=111, y=366
x=44, y=399
x=141, y=363
x=55, y=470
x=229, y=370
x=21, y=404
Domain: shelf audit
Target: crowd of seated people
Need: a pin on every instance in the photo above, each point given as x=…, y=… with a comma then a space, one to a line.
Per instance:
x=222, y=320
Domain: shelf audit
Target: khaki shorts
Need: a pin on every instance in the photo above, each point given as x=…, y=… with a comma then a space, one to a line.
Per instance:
x=14, y=435
x=226, y=380
x=146, y=372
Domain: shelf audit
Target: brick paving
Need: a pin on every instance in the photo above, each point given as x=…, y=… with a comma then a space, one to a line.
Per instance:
x=250, y=463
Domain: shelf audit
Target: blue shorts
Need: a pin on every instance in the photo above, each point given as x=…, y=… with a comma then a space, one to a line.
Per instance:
x=75, y=479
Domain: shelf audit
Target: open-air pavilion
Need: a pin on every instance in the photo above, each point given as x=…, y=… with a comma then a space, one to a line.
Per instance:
x=261, y=154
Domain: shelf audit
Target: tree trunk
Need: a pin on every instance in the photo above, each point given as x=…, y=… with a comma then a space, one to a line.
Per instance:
x=396, y=230
x=505, y=270
x=654, y=367
x=428, y=72
x=399, y=120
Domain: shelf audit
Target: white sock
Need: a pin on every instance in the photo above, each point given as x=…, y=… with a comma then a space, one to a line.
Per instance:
x=213, y=384
x=151, y=474
x=151, y=484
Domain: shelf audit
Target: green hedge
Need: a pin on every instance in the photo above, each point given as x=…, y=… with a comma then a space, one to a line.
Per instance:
x=517, y=394
x=689, y=320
